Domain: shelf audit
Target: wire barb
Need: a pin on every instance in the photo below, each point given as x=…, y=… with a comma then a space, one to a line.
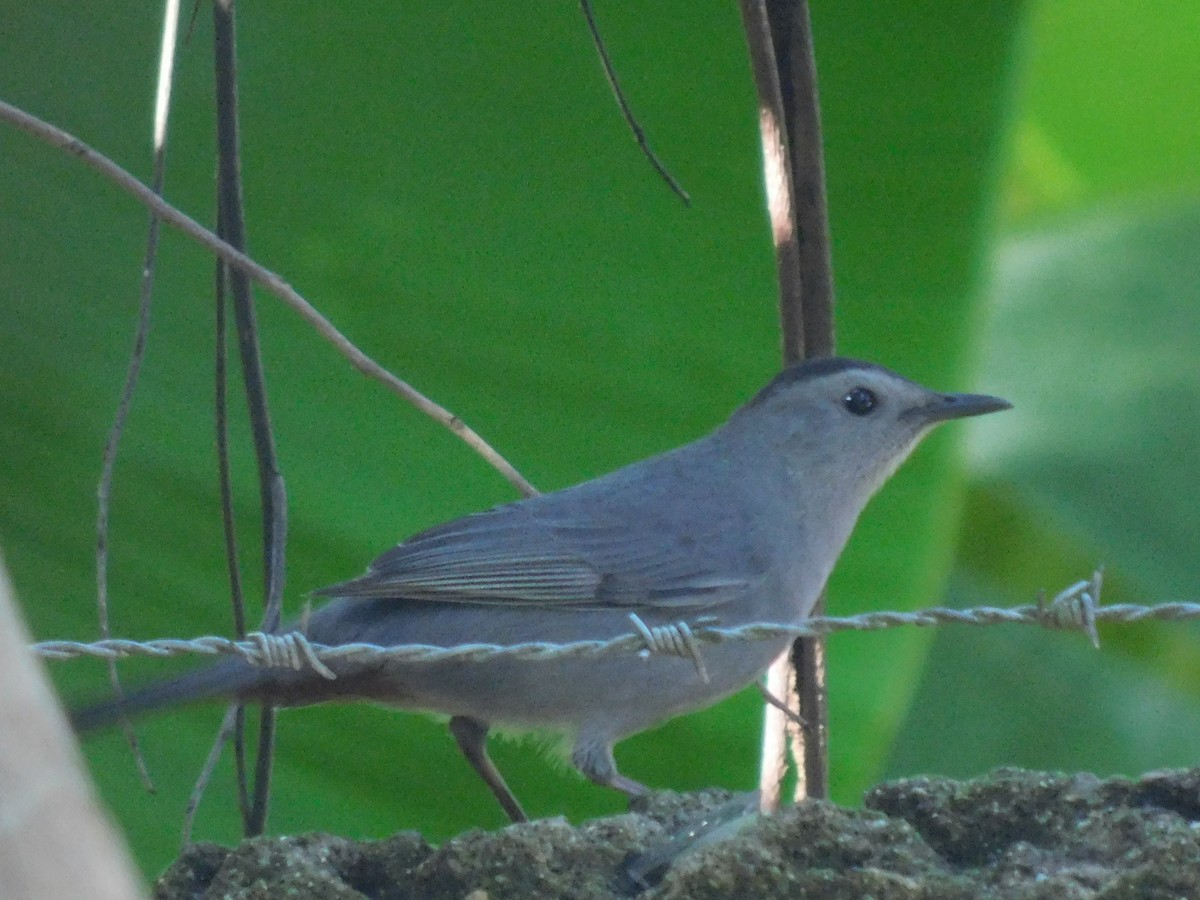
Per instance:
x=285, y=651
x=1074, y=607
x=676, y=639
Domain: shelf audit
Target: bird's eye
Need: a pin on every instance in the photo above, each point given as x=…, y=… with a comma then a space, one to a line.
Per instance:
x=860, y=401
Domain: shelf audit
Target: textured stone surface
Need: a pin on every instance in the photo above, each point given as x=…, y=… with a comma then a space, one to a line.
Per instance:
x=1012, y=834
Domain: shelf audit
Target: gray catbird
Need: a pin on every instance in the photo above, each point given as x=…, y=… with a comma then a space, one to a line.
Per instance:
x=743, y=525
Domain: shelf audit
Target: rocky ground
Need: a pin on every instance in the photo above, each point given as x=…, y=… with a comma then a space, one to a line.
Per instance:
x=1012, y=834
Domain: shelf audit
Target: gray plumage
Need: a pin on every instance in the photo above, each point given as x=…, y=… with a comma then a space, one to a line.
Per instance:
x=742, y=525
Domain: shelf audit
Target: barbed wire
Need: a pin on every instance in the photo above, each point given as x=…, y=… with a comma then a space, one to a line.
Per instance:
x=1076, y=608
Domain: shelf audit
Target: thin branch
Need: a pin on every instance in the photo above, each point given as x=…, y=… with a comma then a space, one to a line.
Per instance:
x=228, y=523
x=639, y=134
x=162, y=107
x=773, y=700
x=232, y=228
x=271, y=282
x=206, y=772
x=272, y=494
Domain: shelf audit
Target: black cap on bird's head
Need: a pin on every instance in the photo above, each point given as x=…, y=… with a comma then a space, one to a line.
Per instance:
x=863, y=399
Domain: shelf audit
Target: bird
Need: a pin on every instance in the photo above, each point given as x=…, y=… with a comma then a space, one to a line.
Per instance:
x=743, y=525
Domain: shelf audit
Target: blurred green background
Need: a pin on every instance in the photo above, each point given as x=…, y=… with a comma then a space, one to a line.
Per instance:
x=1014, y=200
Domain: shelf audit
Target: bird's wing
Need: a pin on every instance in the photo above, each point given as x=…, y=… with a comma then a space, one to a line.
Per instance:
x=506, y=556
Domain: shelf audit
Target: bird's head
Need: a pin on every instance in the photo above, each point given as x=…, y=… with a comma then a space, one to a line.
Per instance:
x=846, y=425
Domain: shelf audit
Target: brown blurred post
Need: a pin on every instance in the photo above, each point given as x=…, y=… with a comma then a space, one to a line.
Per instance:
x=54, y=839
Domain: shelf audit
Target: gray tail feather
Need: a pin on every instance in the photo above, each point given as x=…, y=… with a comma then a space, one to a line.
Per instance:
x=226, y=678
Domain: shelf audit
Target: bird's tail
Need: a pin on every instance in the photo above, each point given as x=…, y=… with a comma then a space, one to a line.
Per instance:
x=226, y=678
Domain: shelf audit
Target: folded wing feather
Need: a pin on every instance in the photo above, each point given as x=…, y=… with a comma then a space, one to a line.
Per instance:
x=507, y=556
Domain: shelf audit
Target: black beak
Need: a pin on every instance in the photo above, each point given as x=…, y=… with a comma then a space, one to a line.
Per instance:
x=958, y=406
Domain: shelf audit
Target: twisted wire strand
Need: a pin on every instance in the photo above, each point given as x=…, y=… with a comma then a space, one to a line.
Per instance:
x=1075, y=608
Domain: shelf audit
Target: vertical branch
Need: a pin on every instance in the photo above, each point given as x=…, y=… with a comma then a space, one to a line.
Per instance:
x=777, y=174
x=162, y=106
x=779, y=36
x=791, y=34
x=228, y=524
x=271, y=488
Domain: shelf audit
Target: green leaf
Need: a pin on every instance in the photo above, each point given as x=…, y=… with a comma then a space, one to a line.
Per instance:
x=454, y=188
x=1094, y=336
x=1092, y=332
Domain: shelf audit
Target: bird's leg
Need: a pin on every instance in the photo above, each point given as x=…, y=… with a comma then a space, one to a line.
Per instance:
x=471, y=737
x=595, y=761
